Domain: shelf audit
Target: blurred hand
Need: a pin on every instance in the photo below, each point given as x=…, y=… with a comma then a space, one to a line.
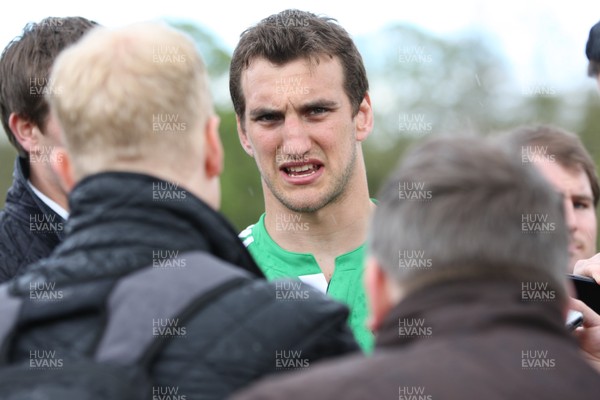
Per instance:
x=589, y=267
x=588, y=335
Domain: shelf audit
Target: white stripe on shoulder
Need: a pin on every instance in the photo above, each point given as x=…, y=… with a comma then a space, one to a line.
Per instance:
x=246, y=232
x=248, y=241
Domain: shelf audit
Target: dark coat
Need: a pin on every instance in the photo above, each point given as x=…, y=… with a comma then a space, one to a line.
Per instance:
x=29, y=229
x=118, y=222
x=473, y=340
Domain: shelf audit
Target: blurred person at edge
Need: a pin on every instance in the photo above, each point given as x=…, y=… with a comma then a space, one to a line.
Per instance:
x=591, y=266
x=32, y=222
x=592, y=51
x=561, y=158
x=589, y=334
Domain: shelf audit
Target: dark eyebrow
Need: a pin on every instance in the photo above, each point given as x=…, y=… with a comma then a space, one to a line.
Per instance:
x=257, y=112
x=319, y=104
x=582, y=197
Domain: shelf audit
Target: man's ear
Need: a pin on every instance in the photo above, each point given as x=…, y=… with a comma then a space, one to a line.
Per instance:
x=25, y=132
x=214, y=155
x=246, y=145
x=379, y=299
x=364, y=119
x=63, y=168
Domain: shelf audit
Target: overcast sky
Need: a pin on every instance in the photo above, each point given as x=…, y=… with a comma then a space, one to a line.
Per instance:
x=544, y=41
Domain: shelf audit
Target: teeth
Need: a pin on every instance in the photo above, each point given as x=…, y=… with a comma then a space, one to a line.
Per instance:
x=302, y=168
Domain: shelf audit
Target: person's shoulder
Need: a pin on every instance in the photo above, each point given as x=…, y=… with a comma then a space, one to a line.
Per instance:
x=287, y=295
x=15, y=246
x=253, y=233
x=292, y=308
x=247, y=235
x=341, y=377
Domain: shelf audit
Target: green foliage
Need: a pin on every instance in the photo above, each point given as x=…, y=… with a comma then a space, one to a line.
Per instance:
x=7, y=159
x=241, y=192
x=216, y=57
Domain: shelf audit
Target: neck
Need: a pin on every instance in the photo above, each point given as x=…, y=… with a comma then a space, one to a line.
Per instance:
x=335, y=229
x=46, y=182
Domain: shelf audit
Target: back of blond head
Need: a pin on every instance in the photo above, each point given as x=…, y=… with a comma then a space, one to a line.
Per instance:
x=137, y=94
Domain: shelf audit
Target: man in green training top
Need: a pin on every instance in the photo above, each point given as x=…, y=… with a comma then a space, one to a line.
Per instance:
x=300, y=93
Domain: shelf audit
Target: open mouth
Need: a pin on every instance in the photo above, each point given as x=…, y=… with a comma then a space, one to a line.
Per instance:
x=301, y=170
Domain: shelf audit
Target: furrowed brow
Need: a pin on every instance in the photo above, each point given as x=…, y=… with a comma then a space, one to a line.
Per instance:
x=257, y=112
x=320, y=104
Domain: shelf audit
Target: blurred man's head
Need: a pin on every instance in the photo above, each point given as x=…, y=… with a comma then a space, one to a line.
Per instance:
x=592, y=51
x=299, y=89
x=24, y=80
x=469, y=209
x=137, y=99
x=563, y=160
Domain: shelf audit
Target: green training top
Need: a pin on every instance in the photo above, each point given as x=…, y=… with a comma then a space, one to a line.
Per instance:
x=345, y=285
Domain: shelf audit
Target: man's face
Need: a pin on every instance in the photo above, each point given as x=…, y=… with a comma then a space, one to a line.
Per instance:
x=580, y=215
x=298, y=125
x=47, y=141
x=43, y=152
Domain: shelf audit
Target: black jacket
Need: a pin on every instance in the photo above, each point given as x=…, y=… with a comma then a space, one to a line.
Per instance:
x=466, y=340
x=118, y=223
x=29, y=229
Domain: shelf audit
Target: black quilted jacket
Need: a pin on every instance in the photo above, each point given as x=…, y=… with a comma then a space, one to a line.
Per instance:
x=117, y=224
x=29, y=229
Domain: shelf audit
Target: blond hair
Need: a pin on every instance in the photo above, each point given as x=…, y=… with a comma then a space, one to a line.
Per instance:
x=138, y=93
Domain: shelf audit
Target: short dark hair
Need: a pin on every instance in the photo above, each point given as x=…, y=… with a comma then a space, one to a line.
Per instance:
x=461, y=202
x=565, y=147
x=293, y=34
x=592, y=51
x=25, y=67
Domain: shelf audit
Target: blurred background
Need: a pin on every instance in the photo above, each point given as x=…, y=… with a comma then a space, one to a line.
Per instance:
x=461, y=67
